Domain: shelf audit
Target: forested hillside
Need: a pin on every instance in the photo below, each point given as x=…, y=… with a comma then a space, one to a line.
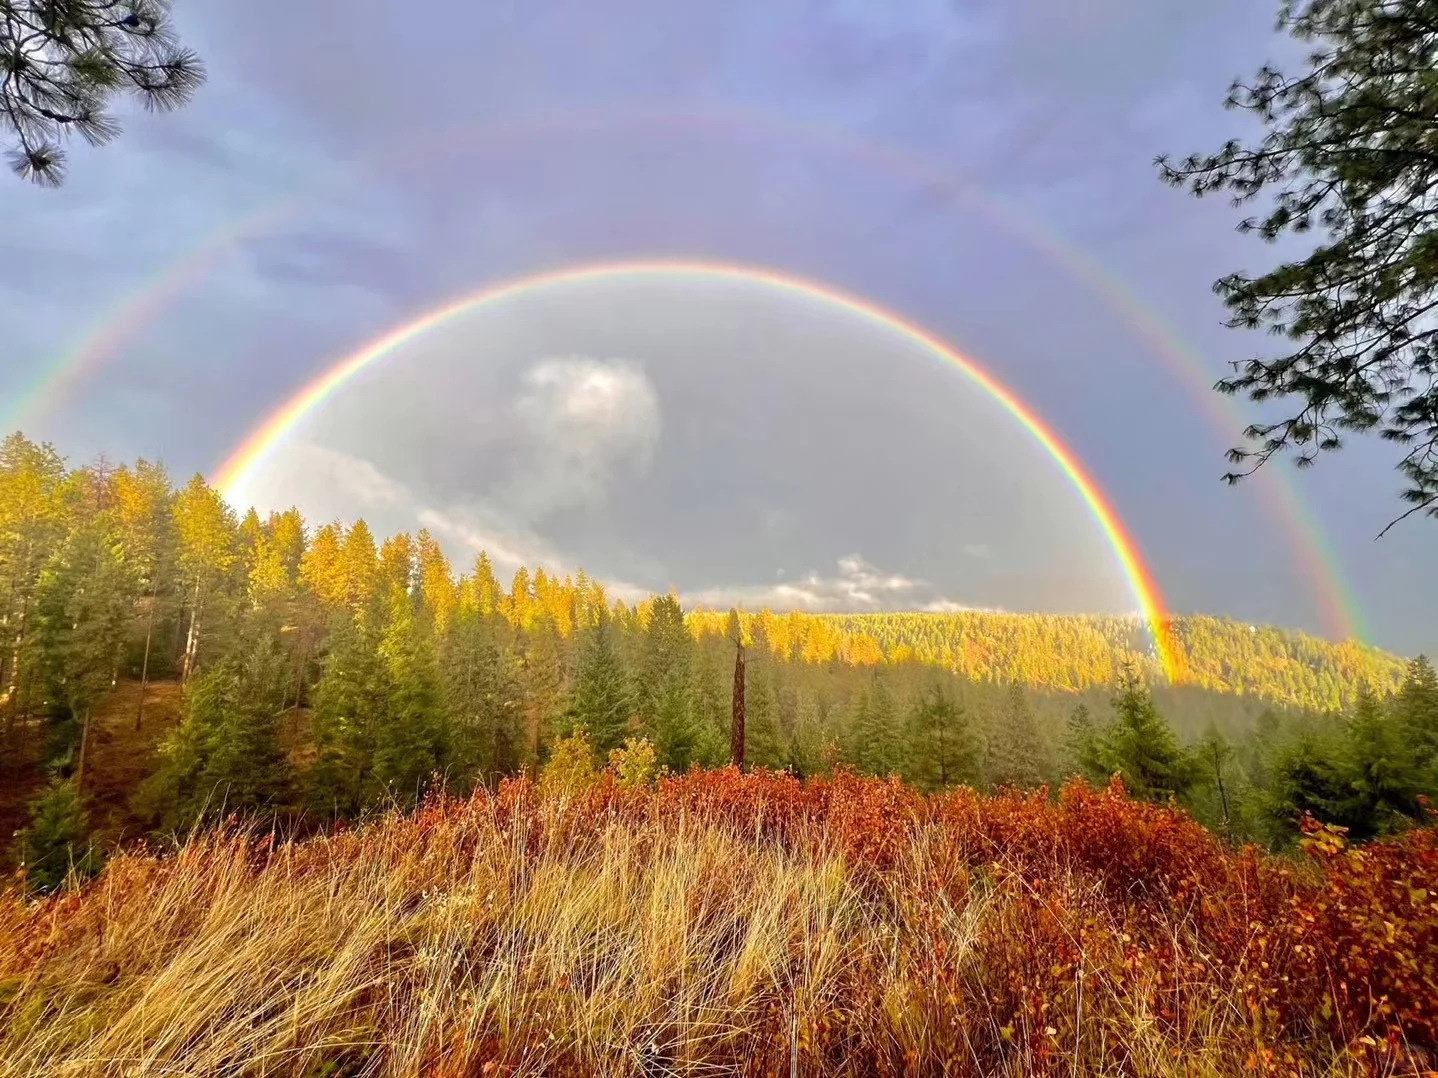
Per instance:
x=163, y=661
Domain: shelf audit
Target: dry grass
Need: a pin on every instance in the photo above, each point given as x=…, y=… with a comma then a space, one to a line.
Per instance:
x=721, y=925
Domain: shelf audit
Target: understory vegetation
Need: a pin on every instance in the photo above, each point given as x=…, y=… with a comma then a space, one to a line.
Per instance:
x=719, y=922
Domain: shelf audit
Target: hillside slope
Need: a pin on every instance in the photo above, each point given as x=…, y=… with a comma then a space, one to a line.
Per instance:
x=1072, y=652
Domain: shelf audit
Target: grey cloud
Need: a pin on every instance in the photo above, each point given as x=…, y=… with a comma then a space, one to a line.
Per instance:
x=582, y=420
x=848, y=441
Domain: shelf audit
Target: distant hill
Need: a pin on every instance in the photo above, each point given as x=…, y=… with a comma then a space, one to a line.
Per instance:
x=1077, y=652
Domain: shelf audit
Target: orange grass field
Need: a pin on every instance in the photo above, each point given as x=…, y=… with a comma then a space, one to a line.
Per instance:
x=731, y=924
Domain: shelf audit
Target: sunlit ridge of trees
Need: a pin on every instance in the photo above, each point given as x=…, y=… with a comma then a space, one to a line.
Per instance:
x=326, y=671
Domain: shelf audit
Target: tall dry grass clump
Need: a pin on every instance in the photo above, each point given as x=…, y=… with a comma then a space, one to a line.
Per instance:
x=729, y=924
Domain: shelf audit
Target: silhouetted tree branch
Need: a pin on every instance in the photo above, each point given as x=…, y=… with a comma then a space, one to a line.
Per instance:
x=62, y=62
x=1351, y=150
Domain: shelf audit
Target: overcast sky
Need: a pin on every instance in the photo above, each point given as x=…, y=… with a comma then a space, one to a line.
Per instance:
x=982, y=168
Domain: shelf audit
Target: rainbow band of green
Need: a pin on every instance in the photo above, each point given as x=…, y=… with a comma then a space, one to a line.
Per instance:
x=231, y=476
x=1341, y=614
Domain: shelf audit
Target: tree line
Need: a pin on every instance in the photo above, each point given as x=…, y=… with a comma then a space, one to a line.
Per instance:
x=327, y=673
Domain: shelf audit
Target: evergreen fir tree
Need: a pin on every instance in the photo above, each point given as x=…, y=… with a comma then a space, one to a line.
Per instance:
x=1016, y=753
x=351, y=701
x=226, y=755
x=1415, y=715
x=84, y=600
x=763, y=747
x=877, y=734
x=663, y=685
x=410, y=743
x=942, y=749
x=599, y=699
x=1384, y=779
x=484, y=701
x=57, y=840
x=1140, y=746
x=1081, y=746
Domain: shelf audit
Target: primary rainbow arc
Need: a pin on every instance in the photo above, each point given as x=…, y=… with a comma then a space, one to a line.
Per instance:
x=1341, y=613
x=231, y=476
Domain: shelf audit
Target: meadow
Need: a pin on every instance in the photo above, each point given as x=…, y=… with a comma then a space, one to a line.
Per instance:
x=720, y=922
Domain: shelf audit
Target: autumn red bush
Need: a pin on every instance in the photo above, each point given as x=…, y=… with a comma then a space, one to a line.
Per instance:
x=739, y=923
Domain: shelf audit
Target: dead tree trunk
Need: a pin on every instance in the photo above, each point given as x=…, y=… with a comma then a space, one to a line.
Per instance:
x=84, y=746
x=145, y=663
x=736, y=727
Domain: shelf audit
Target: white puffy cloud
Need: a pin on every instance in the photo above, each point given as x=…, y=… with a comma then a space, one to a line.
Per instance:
x=856, y=586
x=324, y=482
x=582, y=421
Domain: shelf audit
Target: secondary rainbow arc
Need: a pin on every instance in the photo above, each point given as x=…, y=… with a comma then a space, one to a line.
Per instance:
x=1341, y=612
x=231, y=475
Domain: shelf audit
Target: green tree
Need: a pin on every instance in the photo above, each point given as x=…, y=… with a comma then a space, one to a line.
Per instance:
x=763, y=744
x=599, y=698
x=144, y=513
x=942, y=749
x=1081, y=746
x=877, y=735
x=208, y=550
x=85, y=597
x=67, y=60
x=31, y=526
x=664, y=685
x=1139, y=745
x=226, y=754
x=484, y=701
x=1415, y=714
x=411, y=743
x=1384, y=779
x=1310, y=774
x=351, y=700
x=1350, y=152
x=1016, y=753
x=57, y=840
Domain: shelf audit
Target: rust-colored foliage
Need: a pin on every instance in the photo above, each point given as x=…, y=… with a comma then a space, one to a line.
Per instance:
x=909, y=935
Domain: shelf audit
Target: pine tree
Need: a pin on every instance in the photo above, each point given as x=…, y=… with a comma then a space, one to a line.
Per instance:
x=208, y=550
x=942, y=749
x=483, y=698
x=1415, y=714
x=57, y=840
x=84, y=602
x=1140, y=746
x=31, y=526
x=144, y=514
x=76, y=65
x=1016, y=753
x=351, y=701
x=543, y=671
x=877, y=737
x=1081, y=746
x=663, y=685
x=1311, y=775
x=226, y=755
x=763, y=746
x=410, y=744
x=1383, y=774
x=1346, y=166
x=599, y=699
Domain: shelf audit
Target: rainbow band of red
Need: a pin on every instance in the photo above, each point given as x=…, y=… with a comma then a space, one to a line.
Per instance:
x=230, y=477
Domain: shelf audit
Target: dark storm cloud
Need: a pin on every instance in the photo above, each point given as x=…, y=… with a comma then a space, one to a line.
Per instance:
x=1059, y=107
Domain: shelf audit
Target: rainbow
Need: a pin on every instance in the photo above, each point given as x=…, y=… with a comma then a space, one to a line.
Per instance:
x=231, y=476
x=129, y=318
